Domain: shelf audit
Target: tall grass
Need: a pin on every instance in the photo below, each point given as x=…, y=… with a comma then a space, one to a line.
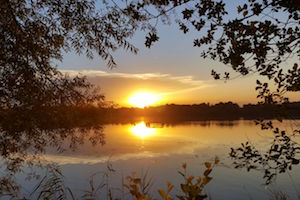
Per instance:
x=136, y=187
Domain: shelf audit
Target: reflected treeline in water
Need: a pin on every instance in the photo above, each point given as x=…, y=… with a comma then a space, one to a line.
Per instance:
x=26, y=134
x=202, y=123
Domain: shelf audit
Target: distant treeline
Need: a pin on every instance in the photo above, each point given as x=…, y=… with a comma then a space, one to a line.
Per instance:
x=194, y=112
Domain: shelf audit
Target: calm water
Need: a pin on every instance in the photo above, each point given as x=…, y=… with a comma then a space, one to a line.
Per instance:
x=160, y=150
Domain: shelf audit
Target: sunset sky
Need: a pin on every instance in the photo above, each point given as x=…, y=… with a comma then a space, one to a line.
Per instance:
x=172, y=69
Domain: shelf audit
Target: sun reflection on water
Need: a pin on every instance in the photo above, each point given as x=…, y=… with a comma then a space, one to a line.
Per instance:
x=142, y=131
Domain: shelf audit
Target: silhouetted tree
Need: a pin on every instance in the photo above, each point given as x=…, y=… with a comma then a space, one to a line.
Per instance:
x=33, y=34
x=36, y=99
x=258, y=39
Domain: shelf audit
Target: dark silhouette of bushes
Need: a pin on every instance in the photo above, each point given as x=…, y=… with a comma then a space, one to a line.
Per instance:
x=195, y=112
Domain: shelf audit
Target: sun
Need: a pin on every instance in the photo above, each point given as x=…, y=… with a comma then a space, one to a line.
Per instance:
x=143, y=99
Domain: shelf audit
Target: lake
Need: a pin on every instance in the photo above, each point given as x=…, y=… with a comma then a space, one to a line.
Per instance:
x=159, y=150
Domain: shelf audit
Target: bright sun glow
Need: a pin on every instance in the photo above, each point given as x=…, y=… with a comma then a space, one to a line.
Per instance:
x=141, y=130
x=142, y=99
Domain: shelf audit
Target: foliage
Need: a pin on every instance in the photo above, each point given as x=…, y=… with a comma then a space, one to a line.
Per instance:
x=95, y=188
x=35, y=98
x=166, y=195
x=282, y=155
x=191, y=189
x=8, y=188
x=34, y=34
x=52, y=186
x=278, y=196
x=259, y=39
x=172, y=113
x=25, y=135
x=139, y=188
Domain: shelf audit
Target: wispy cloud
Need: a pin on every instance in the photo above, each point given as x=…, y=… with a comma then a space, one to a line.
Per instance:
x=185, y=90
x=190, y=83
x=99, y=73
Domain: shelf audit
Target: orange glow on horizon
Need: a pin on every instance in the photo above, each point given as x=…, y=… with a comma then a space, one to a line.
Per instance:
x=143, y=99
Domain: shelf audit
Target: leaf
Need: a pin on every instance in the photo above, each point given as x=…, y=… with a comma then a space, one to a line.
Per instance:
x=180, y=197
x=258, y=82
x=170, y=186
x=206, y=180
x=190, y=178
x=239, y=9
x=217, y=160
x=150, y=38
x=199, y=180
x=137, y=181
x=182, y=174
x=184, y=165
x=295, y=161
x=187, y=13
x=207, y=165
x=207, y=172
x=183, y=27
x=162, y=193
x=184, y=188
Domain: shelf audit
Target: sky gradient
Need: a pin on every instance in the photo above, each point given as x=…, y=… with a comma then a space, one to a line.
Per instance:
x=172, y=68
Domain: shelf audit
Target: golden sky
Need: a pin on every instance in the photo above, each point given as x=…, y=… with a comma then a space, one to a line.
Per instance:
x=119, y=87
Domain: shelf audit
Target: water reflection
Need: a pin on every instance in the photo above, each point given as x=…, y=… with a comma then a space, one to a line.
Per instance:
x=159, y=147
x=149, y=140
x=142, y=131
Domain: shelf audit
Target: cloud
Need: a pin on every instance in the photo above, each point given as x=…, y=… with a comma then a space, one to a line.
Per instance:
x=118, y=87
x=99, y=73
x=189, y=82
